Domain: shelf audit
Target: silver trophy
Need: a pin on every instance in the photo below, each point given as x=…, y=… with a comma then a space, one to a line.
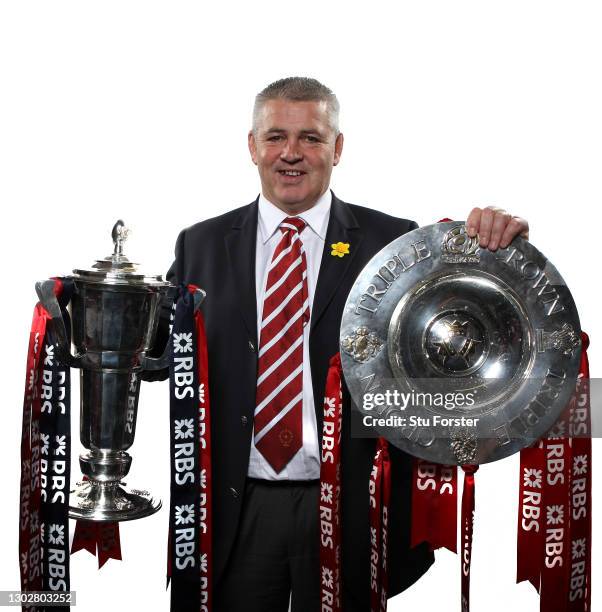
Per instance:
x=114, y=313
x=433, y=316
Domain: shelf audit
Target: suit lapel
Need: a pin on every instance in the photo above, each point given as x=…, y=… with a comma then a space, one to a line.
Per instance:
x=342, y=227
x=241, y=243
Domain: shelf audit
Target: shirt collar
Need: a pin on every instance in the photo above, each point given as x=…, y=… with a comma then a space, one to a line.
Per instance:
x=270, y=216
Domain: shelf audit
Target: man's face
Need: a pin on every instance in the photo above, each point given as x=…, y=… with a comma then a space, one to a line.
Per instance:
x=294, y=149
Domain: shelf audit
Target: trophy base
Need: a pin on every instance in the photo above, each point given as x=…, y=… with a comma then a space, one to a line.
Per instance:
x=110, y=501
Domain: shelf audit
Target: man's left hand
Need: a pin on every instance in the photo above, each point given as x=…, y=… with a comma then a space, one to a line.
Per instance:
x=495, y=227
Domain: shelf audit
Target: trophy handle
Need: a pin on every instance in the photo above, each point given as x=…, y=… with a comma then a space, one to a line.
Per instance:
x=160, y=363
x=47, y=297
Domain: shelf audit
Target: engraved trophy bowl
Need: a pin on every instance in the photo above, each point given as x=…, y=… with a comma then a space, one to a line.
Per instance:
x=432, y=313
x=114, y=313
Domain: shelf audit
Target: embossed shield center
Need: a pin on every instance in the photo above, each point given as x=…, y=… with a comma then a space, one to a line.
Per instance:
x=456, y=343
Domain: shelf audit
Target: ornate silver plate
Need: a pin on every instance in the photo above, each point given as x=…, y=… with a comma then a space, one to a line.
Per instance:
x=432, y=317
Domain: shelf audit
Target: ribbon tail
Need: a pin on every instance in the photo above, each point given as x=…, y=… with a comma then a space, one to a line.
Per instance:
x=445, y=520
x=530, y=522
x=434, y=505
x=84, y=537
x=109, y=545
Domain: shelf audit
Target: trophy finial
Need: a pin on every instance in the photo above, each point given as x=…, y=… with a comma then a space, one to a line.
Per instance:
x=119, y=234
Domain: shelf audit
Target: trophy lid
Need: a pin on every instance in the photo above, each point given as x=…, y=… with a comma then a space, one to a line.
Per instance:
x=117, y=269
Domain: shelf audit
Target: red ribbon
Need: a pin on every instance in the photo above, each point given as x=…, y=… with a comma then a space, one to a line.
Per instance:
x=380, y=499
x=580, y=535
x=468, y=500
x=530, y=515
x=330, y=491
x=434, y=502
x=434, y=505
x=30, y=558
x=97, y=538
x=205, y=502
x=554, y=583
x=554, y=523
x=330, y=510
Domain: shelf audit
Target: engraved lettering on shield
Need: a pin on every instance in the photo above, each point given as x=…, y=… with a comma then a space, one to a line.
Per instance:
x=369, y=383
x=502, y=435
x=362, y=344
x=459, y=247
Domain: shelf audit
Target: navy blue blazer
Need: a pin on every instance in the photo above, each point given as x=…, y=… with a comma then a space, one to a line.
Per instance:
x=219, y=255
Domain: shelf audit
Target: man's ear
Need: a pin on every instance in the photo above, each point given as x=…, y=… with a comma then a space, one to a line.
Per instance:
x=338, y=149
x=252, y=146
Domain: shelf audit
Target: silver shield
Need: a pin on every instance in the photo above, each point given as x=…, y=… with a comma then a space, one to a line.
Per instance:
x=432, y=314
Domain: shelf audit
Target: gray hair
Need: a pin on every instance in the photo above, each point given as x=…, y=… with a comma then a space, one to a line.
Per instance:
x=298, y=89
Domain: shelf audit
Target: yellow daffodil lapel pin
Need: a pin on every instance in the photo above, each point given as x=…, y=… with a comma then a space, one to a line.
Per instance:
x=339, y=249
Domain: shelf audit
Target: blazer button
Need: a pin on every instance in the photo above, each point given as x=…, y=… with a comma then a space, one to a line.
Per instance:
x=244, y=420
x=251, y=347
x=234, y=492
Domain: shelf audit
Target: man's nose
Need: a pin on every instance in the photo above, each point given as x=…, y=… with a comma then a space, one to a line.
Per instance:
x=291, y=151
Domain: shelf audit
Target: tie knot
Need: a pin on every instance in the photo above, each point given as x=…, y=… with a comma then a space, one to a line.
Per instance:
x=293, y=223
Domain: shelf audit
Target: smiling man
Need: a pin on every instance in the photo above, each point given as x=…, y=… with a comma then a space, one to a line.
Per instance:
x=276, y=289
x=295, y=146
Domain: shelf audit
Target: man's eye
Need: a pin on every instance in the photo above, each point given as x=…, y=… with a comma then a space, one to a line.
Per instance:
x=310, y=138
x=274, y=138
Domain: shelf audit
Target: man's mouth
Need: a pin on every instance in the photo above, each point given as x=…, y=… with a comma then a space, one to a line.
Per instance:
x=291, y=172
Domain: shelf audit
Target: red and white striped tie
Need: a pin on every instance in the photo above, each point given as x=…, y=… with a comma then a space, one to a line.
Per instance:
x=278, y=426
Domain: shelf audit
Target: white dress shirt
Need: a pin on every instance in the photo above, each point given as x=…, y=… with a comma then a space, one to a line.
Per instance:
x=305, y=465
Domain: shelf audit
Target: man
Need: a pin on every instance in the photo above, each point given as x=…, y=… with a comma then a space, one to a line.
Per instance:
x=275, y=295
